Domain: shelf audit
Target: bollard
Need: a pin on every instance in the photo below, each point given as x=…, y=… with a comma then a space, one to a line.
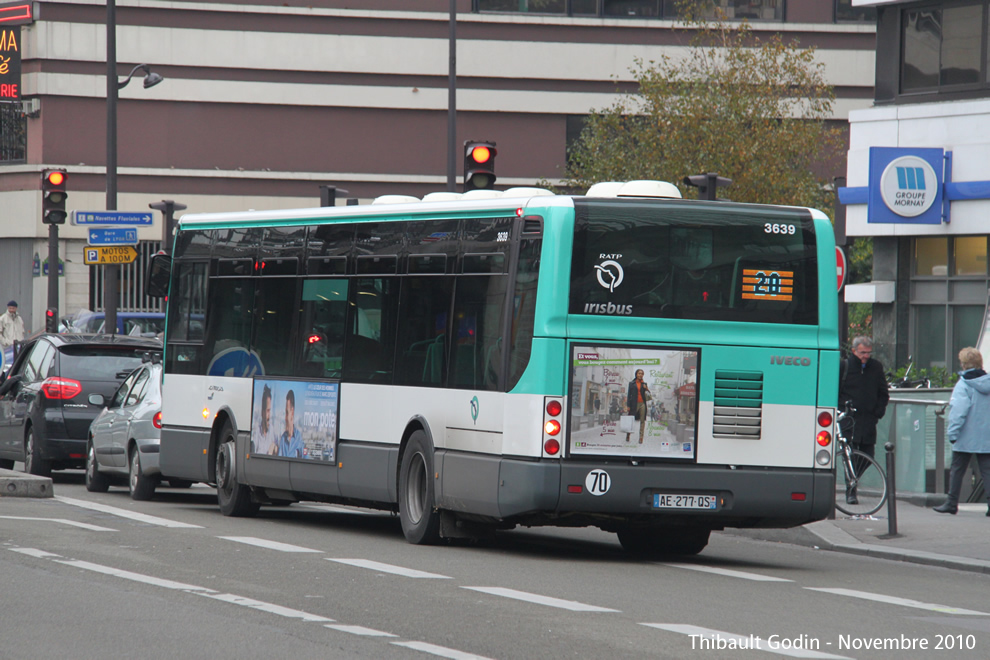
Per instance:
x=891, y=491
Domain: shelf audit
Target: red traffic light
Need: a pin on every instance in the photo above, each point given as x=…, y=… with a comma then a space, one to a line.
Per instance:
x=55, y=178
x=481, y=154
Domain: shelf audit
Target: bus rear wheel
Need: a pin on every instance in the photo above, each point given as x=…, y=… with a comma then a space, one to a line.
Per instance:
x=659, y=541
x=234, y=498
x=420, y=519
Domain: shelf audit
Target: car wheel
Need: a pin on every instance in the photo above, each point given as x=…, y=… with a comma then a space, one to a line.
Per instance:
x=234, y=498
x=96, y=481
x=419, y=517
x=180, y=483
x=33, y=463
x=142, y=485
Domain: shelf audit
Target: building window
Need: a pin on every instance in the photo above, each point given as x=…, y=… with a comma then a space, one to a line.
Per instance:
x=13, y=133
x=942, y=47
x=931, y=257
x=949, y=284
x=846, y=13
x=752, y=10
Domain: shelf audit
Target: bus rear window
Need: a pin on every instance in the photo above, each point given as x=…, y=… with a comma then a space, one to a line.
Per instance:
x=685, y=260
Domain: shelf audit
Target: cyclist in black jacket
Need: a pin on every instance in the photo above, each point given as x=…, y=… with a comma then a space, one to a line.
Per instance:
x=863, y=382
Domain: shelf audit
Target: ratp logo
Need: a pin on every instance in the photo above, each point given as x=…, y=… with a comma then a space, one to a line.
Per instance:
x=908, y=186
x=475, y=408
x=609, y=274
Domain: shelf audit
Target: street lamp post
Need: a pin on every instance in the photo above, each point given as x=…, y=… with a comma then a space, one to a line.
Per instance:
x=112, y=272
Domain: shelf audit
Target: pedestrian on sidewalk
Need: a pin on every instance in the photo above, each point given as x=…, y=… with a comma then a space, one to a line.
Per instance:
x=11, y=326
x=969, y=419
x=863, y=382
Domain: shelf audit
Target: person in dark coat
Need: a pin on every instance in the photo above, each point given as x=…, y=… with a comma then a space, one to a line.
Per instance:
x=863, y=382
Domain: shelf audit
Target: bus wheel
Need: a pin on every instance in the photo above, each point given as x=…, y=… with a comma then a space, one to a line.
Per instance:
x=420, y=519
x=659, y=541
x=234, y=498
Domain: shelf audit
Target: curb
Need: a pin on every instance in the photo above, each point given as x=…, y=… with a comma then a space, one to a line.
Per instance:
x=834, y=539
x=19, y=484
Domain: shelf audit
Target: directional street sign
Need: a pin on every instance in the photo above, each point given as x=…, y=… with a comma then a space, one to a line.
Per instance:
x=119, y=254
x=115, y=218
x=113, y=236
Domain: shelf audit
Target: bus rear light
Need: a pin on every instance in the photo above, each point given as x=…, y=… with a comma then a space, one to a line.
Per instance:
x=156, y=421
x=552, y=427
x=798, y=497
x=576, y=490
x=206, y=413
x=554, y=408
x=824, y=438
x=551, y=447
x=825, y=418
x=823, y=457
x=60, y=388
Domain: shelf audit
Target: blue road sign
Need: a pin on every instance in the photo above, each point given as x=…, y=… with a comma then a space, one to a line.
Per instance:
x=116, y=218
x=113, y=236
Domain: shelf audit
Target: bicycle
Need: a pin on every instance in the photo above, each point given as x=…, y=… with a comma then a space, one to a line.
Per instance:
x=860, y=482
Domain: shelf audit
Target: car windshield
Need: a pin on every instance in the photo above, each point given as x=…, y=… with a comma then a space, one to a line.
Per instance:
x=99, y=362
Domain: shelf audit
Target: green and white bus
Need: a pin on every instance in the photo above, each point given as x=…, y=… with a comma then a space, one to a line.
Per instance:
x=653, y=366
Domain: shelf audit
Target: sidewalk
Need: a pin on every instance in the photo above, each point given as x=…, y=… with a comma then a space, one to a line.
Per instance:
x=961, y=542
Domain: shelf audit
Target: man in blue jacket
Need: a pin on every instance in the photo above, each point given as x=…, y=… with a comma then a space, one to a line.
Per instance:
x=969, y=419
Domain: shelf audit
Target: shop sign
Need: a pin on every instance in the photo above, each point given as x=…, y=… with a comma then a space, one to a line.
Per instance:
x=905, y=186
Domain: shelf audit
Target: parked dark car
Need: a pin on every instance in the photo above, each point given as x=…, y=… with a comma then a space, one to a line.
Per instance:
x=56, y=387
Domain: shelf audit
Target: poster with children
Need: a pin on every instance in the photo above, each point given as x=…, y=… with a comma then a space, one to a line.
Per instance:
x=295, y=418
x=629, y=400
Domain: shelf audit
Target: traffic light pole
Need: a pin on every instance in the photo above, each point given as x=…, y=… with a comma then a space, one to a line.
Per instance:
x=111, y=272
x=52, y=266
x=452, y=101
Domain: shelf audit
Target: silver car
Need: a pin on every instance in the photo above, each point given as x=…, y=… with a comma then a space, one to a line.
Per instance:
x=123, y=439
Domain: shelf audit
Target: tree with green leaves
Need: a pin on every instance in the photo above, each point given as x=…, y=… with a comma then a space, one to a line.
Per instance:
x=746, y=106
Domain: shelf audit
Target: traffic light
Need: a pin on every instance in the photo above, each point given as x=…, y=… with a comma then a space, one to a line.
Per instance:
x=53, y=197
x=51, y=320
x=707, y=184
x=479, y=165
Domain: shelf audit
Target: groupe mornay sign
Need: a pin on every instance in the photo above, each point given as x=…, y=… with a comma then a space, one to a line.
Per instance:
x=905, y=185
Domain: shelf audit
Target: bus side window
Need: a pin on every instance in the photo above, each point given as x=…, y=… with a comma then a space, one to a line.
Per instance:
x=476, y=361
x=422, y=334
x=323, y=327
x=369, y=346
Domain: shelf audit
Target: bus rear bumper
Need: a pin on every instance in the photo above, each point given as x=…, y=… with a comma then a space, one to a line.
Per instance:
x=743, y=497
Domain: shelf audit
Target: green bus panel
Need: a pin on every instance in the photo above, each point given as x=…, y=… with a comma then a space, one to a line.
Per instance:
x=547, y=371
x=790, y=376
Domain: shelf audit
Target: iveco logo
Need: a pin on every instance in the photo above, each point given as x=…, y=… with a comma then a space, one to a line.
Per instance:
x=787, y=359
x=216, y=388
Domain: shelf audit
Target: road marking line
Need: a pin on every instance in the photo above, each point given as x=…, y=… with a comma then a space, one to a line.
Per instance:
x=271, y=545
x=388, y=568
x=358, y=630
x=34, y=552
x=330, y=508
x=893, y=600
x=441, y=651
x=135, y=577
x=726, y=571
x=541, y=600
x=262, y=606
x=741, y=641
x=124, y=513
x=94, y=528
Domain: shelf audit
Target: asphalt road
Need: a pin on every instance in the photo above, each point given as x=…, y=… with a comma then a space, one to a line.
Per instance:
x=90, y=575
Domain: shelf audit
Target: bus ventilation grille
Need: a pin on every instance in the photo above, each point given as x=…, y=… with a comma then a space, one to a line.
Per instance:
x=738, y=404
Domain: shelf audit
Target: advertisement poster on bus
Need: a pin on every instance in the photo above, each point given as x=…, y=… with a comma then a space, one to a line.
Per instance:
x=633, y=401
x=295, y=418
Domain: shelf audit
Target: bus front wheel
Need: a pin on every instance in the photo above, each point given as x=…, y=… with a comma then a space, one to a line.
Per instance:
x=419, y=517
x=234, y=498
x=659, y=541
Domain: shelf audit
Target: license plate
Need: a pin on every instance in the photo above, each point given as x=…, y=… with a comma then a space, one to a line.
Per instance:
x=676, y=501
